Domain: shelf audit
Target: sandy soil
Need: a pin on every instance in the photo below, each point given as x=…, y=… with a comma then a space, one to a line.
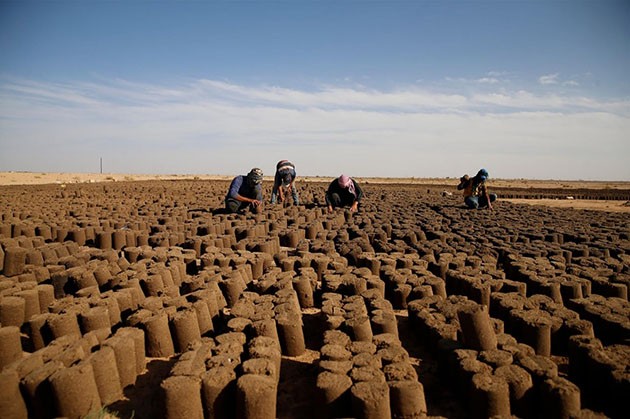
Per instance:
x=581, y=204
x=36, y=178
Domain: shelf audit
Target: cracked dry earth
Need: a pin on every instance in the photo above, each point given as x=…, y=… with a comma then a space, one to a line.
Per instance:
x=145, y=300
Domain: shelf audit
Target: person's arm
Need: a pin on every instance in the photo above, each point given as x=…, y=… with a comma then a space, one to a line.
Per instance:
x=359, y=195
x=257, y=203
x=486, y=195
x=235, y=186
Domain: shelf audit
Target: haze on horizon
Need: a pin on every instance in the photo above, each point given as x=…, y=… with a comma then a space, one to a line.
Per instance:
x=527, y=89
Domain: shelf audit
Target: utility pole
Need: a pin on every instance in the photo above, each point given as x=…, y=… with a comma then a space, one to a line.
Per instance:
x=101, y=165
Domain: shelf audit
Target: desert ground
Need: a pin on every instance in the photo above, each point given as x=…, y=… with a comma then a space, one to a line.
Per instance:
x=139, y=296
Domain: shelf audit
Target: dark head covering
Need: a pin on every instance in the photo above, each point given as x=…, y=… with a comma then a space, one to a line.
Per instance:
x=255, y=176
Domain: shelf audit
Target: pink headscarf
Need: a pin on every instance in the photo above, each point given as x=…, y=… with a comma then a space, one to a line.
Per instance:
x=347, y=183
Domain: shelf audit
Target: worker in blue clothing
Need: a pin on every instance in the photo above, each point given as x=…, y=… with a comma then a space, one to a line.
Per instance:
x=284, y=183
x=245, y=191
x=475, y=191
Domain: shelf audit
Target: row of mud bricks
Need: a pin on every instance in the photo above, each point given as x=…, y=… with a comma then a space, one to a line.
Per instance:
x=224, y=296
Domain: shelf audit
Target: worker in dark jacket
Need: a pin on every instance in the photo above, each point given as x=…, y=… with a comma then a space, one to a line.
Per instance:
x=245, y=191
x=343, y=192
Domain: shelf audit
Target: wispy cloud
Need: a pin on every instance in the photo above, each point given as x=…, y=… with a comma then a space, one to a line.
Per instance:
x=549, y=79
x=212, y=126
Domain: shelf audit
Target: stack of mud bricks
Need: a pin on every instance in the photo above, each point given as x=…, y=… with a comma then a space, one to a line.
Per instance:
x=228, y=376
x=71, y=377
x=601, y=372
x=368, y=378
x=407, y=279
x=501, y=376
x=538, y=321
x=609, y=317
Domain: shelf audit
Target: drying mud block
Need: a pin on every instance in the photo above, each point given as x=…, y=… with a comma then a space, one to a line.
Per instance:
x=46, y=295
x=124, y=350
x=359, y=328
x=203, y=317
x=10, y=345
x=560, y=398
x=64, y=324
x=384, y=322
x=94, y=318
x=334, y=393
x=159, y=342
x=104, y=240
x=369, y=373
x=185, y=329
x=370, y=400
x=490, y=396
x=218, y=389
x=477, y=329
x=399, y=371
x=137, y=336
x=255, y=397
x=75, y=391
x=31, y=303
x=182, y=397
x=267, y=348
x=39, y=331
x=261, y=366
x=14, y=261
x=106, y=375
x=291, y=334
x=12, y=404
x=534, y=328
x=38, y=392
x=12, y=311
x=304, y=290
x=407, y=399
x=233, y=288
x=520, y=383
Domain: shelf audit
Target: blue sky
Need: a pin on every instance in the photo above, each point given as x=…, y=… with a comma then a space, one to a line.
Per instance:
x=526, y=89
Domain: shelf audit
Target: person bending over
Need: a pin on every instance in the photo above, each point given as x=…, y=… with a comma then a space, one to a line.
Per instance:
x=284, y=183
x=245, y=191
x=475, y=190
x=343, y=192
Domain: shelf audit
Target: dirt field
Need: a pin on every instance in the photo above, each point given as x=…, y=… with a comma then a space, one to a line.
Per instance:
x=146, y=299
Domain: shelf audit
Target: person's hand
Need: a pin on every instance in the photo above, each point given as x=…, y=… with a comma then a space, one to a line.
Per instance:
x=354, y=207
x=330, y=209
x=256, y=202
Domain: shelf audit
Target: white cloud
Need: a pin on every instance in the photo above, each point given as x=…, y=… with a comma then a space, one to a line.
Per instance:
x=210, y=126
x=488, y=80
x=549, y=79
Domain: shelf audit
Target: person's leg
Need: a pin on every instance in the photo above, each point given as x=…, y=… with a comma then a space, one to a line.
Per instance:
x=493, y=197
x=346, y=201
x=232, y=205
x=335, y=200
x=472, y=202
x=274, y=194
x=294, y=193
